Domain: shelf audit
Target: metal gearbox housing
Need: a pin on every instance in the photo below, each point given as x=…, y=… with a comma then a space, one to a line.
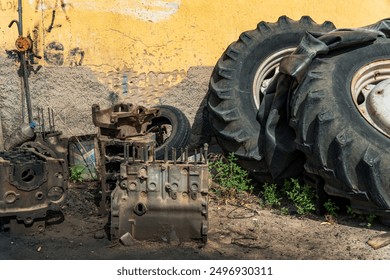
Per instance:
x=122, y=120
x=162, y=200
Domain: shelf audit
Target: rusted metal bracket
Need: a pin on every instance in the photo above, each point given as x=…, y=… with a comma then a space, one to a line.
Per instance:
x=123, y=120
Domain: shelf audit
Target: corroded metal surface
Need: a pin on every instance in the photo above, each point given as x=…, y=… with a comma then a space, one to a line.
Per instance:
x=161, y=200
x=122, y=120
x=109, y=156
x=30, y=185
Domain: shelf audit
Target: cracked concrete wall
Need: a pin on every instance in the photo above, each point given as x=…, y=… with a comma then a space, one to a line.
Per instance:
x=148, y=52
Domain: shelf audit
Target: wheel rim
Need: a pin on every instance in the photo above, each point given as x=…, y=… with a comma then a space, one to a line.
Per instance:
x=370, y=89
x=267, y=70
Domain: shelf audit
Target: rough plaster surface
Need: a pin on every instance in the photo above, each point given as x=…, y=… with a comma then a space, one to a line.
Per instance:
x=71, y=91
x=190, y=97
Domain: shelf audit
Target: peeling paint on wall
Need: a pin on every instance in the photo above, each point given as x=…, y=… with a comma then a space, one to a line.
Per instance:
x=146, y=10
x=145, y=47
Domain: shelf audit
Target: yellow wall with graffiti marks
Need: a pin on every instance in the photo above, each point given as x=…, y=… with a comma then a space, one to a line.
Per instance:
x=157, y=41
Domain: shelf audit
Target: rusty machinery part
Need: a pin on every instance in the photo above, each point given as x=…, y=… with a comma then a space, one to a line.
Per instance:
x=23, y=44
x=172, y=129
x=52, y=145
x=39, y=148
x=30, y=185
x=111, y=154
x=343, y=127
x=122, y=120
x=162, y=199
x=239, y=81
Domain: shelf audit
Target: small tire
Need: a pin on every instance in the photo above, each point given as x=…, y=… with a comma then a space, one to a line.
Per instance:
x=172, y=129
x=341, y=146
x=235, y=89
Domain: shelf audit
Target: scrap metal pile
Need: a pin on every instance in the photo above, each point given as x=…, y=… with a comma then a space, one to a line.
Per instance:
x=149, y=185
x=147, y=196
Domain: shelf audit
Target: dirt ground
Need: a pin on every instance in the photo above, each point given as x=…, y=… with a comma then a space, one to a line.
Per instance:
x=235, y=232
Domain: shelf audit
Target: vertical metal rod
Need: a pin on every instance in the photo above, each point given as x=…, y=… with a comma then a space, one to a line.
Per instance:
x=154, y=153
x=206, y=151
x=174, y=155
x=143, y=154
x=181, y=154
x=48, y=113
x=23, y=99
x=195, y=157
x=133, y=154
x=186, y=155
x=20, y=13
x=52, y=119
x=39, y=120
x=43, y=121
x=166, y=154
x=26, y=86
x=201, y=155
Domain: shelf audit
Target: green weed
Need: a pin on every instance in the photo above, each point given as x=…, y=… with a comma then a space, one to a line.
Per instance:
x=231, y=178
x=331, y=208
x=271, y=196
x=302, y=196
x=284, y=211
x=76, y=173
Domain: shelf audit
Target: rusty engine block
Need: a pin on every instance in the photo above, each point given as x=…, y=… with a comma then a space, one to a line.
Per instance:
x=147, y=198
x=161, y=199
x=31, y=184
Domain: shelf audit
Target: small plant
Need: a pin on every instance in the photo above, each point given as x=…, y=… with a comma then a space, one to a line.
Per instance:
x=271, y=196
x=76, y=173
x=370, y=219
x=284, y=211
x=303, y=196
x=230, y=176
x=331, y=208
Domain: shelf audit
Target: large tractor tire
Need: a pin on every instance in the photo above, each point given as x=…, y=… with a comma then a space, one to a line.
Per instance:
x=341, y=116
x=239, y=80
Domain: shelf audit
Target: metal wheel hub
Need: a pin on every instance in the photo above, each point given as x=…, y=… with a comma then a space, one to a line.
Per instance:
x=370, y=89
x=267, y=70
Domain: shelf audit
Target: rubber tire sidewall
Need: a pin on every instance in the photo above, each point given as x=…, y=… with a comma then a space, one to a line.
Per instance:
x=333, y=75
x=181, y=130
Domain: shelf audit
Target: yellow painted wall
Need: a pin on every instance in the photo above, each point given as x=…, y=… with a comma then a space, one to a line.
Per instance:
x=144, y=43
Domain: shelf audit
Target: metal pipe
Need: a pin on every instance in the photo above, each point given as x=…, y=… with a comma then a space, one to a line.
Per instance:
x=43, y=120
x=20, y=13
x=165, y=154
x=174, y=155
x=26, y=86
x=206, y=151
x=52, y=119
